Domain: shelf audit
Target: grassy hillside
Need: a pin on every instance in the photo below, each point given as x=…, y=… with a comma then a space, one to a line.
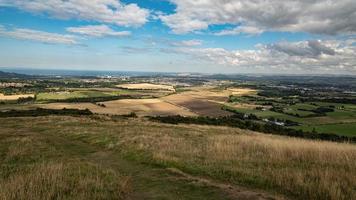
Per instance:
x=103, y=158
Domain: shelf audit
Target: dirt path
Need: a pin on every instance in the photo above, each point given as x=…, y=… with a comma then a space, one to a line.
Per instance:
x=148, y=182
x=233, y=192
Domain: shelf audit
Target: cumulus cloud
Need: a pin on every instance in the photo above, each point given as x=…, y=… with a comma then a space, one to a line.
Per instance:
x=107, y=11
x=97, y=31
x=306, y=49
x=39, y=36
x=321, y=56
x=312, y=16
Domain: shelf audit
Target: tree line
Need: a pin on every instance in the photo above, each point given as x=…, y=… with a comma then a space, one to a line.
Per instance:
x=45, y=112
x=235, y=121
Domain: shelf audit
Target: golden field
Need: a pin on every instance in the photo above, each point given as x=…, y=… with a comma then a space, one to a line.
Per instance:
x=14, y=97
x=146, y=86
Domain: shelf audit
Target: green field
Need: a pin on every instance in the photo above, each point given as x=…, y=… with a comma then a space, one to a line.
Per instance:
x=347, y=129
x=77, y=94
x=342, y=121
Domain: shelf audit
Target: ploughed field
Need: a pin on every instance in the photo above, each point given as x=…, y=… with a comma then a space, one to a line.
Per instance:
x=99, y=157
x=148, y=100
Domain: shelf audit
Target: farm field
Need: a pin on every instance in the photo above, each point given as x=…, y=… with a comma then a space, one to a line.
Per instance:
x=77, y=94
x=141, y=107
x=347, y=129
x=340, y=120
x=146, y=86
x=200, y=101
x=198, y=105
x=138, y=159
x=145, y=107
x=242, y=91
x=14, y=97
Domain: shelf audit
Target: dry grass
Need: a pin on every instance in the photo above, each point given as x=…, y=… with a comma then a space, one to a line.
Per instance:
x=301, y=168
x=146, y=86
x=14, y=97
x=77, y=180
x=241, y=91
x=32, y=166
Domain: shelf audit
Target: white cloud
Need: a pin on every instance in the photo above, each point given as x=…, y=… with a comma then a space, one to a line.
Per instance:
x=181, y=24
x=250, y=30
x=97, y=31
x=107, y=11
x=313, y=16
x=39, y=36
x=317, y=56
x=188, y=43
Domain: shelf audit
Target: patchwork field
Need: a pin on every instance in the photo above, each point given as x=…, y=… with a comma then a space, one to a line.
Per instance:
x=146, y=107
x=205, y=101
x=200, y=101
x=142, y=107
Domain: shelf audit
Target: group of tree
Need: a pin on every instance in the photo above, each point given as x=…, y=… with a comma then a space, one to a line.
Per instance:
x=45, y=112
x=94, y=99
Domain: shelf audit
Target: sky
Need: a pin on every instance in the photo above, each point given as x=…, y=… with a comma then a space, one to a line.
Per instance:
x=206, y=36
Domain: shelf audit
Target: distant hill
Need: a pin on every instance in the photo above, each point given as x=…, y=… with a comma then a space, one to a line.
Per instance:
x=13, y=75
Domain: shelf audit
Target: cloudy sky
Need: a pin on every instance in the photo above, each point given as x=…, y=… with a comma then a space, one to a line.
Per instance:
x=210, y=36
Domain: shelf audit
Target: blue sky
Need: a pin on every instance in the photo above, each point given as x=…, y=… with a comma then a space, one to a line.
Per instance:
x=209, y=36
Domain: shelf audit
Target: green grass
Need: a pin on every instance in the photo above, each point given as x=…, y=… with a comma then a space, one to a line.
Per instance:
x=304, y=106
x=301, y=113
x=346, y=129
x=74, y=94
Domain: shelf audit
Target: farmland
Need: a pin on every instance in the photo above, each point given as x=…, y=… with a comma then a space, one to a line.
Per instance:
x=146, y=86
x=147, y=98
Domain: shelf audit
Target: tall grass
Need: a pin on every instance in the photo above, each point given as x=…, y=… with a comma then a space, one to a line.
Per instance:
x=32, y=168
x=300, y=168
x=76, y=180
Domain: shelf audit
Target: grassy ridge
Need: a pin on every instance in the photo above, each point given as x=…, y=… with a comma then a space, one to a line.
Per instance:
x=298, y=168
x=41, y=158
x=36, y=166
